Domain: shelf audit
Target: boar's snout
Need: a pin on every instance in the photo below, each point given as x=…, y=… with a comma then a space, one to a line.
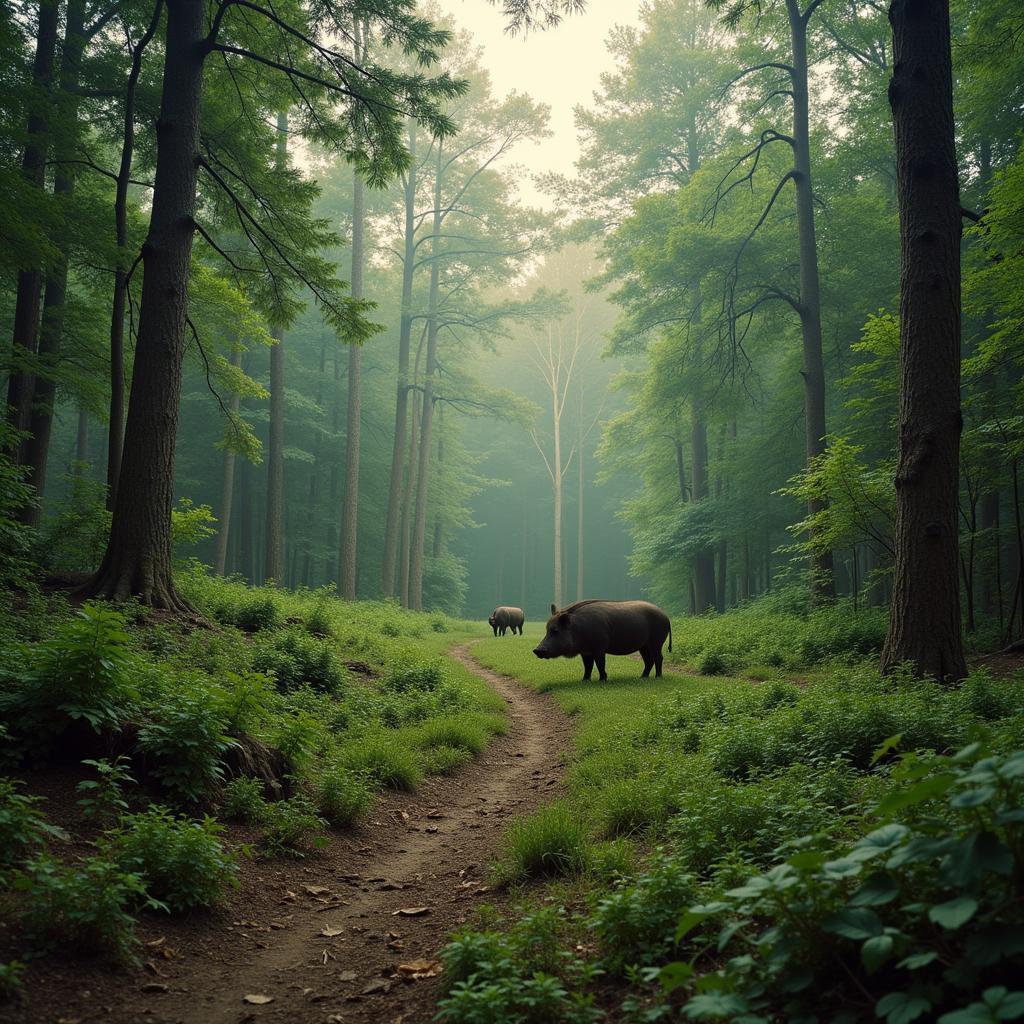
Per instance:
x=540, y=651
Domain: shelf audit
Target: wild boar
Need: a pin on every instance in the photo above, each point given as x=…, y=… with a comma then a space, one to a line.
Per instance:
x=505, y=617
x=593, y=629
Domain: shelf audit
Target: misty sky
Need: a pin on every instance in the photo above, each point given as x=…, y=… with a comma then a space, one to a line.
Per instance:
x=560, y=67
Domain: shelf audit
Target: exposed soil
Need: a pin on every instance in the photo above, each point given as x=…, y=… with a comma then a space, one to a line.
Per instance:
x=326, y=939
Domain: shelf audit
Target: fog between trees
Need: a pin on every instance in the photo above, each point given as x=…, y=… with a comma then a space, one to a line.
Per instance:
x=288, y=251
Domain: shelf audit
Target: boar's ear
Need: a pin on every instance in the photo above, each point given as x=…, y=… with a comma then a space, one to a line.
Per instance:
x=554, y=610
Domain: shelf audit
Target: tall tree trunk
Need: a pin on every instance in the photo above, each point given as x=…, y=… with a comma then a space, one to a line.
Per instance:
x=579, y=506
x=438, y=546
x=274, y=569
x=822, y=583
x=309, y=560
x=350, y=503
x=391, y=527
x=227, y=483
x=423, y=473
x=557, y=493
x=333, y=522
x=33, y=166
x=115, y=420
x=924, y=620
x=138, y=557
x=407, y=494
x=703, y=560
x=44, y=389
x=246, y=541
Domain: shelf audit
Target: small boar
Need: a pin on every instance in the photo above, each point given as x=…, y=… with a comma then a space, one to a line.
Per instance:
x=505, y=617
x=593, y=629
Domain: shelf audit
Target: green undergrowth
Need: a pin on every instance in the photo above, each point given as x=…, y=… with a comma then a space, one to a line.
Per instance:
x=733, y=851
x=287, y=713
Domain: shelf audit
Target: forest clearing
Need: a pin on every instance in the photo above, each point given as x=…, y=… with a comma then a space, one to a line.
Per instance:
x=510, y=512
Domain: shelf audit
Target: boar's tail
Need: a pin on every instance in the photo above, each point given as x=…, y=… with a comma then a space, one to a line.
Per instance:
x=670, y=634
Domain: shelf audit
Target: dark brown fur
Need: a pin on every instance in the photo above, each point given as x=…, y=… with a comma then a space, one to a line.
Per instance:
x=506, y=617
x=594, y=629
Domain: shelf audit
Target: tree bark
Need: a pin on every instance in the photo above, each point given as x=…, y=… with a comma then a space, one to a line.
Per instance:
x=703, y=560
x=81, y=441
x=391, y=528
x=427, y=414
x=138, y=557
x=33, y=166
x=350, y=502
x=227, y=484
x=579, y=503
x=37, y=449
x=274, y=568
x=822, y=582
x=438, y=545
x=924, y=621
x=115, y=420
x=407, y=493
x=246, y=541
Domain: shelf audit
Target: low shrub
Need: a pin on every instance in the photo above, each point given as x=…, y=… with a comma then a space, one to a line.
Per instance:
x=444, y=760
x=912, y=921
x=81, y=674
x=104, y=797
x=10, y=978
x=460, y=733
x=550, y=843
x=182, y=862
x=376, y=756
x=242, y=800
x=184, y=744
x=343, y=797
x=712, y=663
x=23, y=827
x=259, y=610
x=418, y=675
x=85, y=907
x=635, y=924
x=292, y=828
x=295, y=658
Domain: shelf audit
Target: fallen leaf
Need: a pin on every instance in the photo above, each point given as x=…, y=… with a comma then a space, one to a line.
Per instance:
x=154, y=986
x=430, y=828
x=434, y=814
x=257, y=1000
x=156, y=970
x=377, y=986
x=330, y=931
x=420, y=969
x=316, y=890
x=396, y=944
x=347, y=976
x=153, y=943
x=410, y=912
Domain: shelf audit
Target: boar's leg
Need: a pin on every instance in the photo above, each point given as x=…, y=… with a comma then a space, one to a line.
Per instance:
x=588, y=666
x=599, y=662
x=645, y=653
x=658, y=659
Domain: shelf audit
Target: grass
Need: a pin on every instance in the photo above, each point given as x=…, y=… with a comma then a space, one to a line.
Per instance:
x=682, y=788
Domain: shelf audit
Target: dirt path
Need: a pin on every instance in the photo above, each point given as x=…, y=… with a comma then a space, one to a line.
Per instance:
x=323, y=939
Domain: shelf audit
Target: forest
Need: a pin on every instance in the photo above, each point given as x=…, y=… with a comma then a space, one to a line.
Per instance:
x=339, y=327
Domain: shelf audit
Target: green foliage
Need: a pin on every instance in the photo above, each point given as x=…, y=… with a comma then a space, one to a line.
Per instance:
x=917, y=916
x=104, y=797
x=424, y=676
x=635, y=922
x=23, y=827
x=190, y=524
x=16, y=566
x=182, y=862
x=84, y=907
x=73, y=535
x=185, y=743
x=242, y=800
x=81, y=674
x=342, y=797
x=245, y=701
x=259, y=610
x=550, y=843
x=377, y=757
x=295, y=658
x=522, y=976
x=10, y=978
x=292, y=828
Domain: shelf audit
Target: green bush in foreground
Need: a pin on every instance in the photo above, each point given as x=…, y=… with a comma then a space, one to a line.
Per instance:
x=10, y=978
x=23, y=827
x=292, y=828
x=343, y=797
x=182, y=862
x=85, y=907
x=295, y=658
x=912, y=921
x=378, y=757
x=550, y=843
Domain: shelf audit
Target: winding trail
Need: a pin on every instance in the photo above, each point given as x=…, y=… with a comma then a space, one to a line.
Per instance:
x=320, y=939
